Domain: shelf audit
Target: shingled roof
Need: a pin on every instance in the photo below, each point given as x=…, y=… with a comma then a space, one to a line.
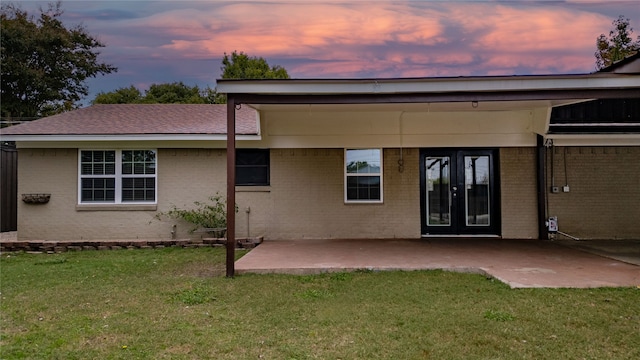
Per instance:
x=141, y=119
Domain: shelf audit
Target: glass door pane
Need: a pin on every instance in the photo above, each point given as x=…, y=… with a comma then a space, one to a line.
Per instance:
x=476, y=184
x=438, y=190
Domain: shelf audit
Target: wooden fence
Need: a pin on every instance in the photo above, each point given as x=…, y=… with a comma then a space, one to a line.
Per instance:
x=8, y=188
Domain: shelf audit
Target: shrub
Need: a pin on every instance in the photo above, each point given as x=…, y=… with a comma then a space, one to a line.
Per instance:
x=205, y=215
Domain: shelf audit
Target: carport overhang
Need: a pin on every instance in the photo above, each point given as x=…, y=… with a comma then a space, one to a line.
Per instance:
x=498, y=93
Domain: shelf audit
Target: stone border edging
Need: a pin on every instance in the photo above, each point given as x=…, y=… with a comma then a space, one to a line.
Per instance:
x=79, y=245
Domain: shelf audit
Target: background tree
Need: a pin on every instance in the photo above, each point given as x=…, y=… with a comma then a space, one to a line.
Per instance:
x=174, y=93
x=129, y=95
x=242, y=66
x=44, y=64
x=234, y=66
x=169, y=93
x=618, y=45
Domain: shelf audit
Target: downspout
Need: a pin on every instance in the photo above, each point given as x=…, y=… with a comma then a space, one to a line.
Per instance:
x=541, y=155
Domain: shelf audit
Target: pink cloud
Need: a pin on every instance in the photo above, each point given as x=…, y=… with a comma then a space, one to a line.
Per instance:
x=354, y=38
x=532, y=29
x=302, y=28
x=185, y=40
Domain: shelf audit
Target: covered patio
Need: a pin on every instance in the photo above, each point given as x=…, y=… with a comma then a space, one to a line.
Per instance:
x=451, y=120
x=518, y=263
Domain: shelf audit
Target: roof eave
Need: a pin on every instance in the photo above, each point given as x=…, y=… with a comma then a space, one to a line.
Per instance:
x=111, y=138
x=594, y=139
x=511, y=84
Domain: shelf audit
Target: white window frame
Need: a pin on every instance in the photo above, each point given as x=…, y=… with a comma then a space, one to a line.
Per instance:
x=347, y=175
x=118, y=176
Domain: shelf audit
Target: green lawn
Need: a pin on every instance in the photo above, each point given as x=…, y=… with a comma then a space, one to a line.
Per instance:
x=176, y=304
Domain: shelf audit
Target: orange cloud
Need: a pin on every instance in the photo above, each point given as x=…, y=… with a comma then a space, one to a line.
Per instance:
x=530, y=29
x=298, y=28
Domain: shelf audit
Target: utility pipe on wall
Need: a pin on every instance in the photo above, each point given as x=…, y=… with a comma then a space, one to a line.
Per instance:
x=248, y=211
x=401, y=160
x=541, y=155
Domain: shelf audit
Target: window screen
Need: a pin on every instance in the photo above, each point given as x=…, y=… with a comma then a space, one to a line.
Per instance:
x=252, y=167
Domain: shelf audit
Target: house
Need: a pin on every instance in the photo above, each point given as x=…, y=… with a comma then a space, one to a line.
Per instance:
x=491, y=156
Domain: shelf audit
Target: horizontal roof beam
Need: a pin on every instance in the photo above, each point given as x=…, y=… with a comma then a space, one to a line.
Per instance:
x=244, y=98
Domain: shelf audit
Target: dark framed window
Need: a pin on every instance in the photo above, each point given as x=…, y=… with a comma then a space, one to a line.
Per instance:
x=252, y=167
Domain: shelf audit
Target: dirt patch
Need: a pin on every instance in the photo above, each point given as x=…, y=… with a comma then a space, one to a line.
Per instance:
x=204, y=270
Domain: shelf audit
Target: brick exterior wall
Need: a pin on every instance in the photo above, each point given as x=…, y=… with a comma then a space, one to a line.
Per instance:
x=603, y=201
x=55, y=172
x=184, y=175
x=519, y=199
x=306, y=196
x=307, y=183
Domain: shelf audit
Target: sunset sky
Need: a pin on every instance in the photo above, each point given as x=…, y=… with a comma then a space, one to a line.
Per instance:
x=166, y=41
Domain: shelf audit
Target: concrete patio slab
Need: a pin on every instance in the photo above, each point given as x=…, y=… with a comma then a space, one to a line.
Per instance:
x=519, y=263
x=623, y=250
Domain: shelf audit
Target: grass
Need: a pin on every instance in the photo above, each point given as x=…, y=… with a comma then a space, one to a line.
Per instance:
x=177, y=304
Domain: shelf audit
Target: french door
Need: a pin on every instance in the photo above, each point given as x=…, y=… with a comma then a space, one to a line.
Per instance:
x=459, y=192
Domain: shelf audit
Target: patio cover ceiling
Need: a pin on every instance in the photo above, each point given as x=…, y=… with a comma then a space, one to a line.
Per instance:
x=445, y=94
